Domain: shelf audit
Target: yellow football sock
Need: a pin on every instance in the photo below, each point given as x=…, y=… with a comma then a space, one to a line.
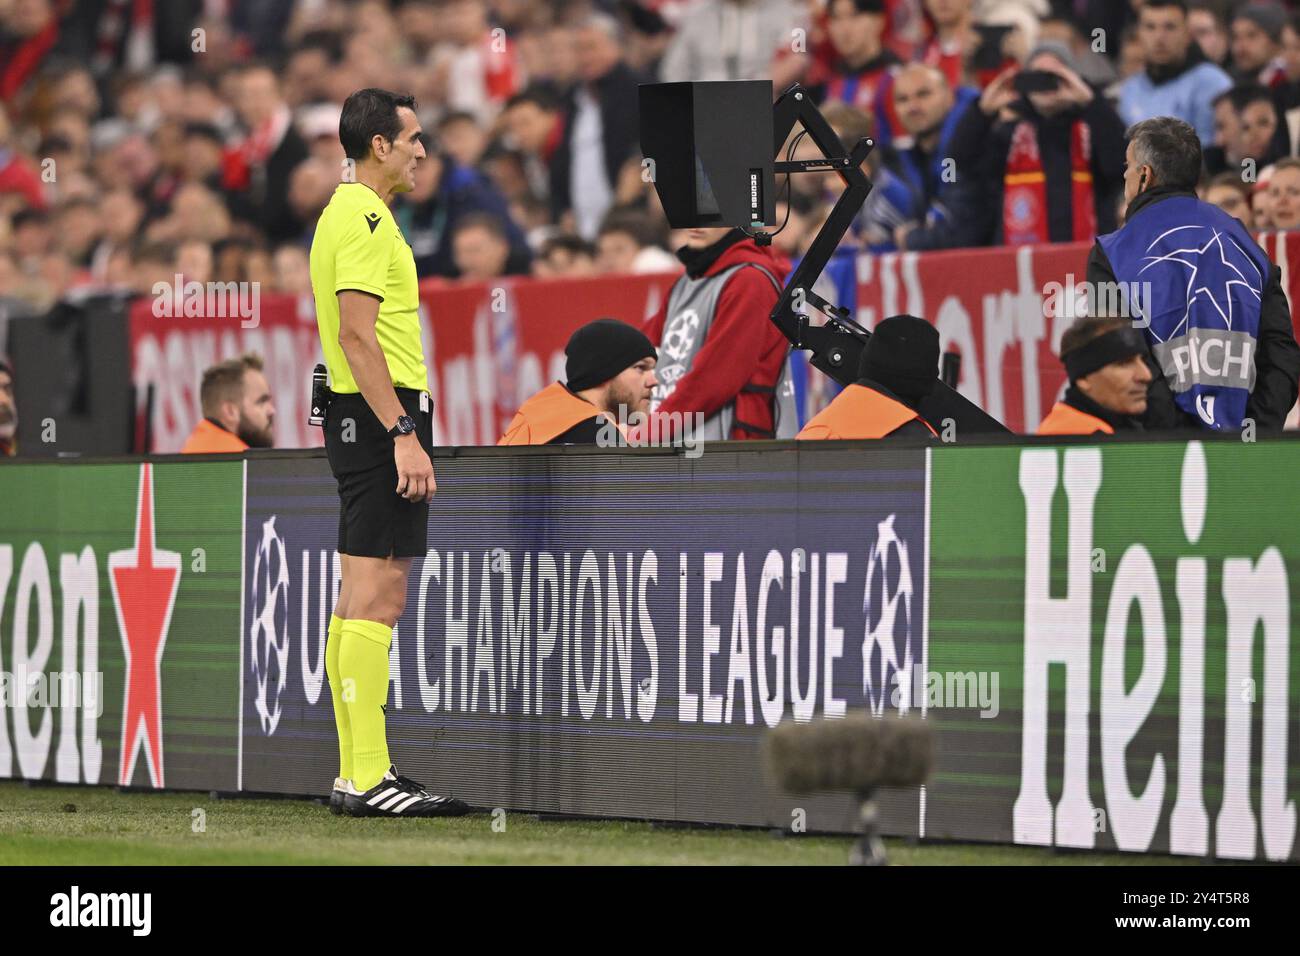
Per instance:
x=341, y=721
x=363, y=666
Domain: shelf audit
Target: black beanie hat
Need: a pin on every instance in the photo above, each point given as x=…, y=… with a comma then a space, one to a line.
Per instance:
x=601, y=350
x=902, y=355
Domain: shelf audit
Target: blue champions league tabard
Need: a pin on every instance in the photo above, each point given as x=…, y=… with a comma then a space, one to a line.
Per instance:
x=1197, y=279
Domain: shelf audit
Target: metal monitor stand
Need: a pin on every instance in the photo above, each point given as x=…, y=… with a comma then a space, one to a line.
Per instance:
x=837, y=345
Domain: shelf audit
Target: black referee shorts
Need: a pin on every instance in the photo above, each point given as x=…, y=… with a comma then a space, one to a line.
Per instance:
x=374, y=520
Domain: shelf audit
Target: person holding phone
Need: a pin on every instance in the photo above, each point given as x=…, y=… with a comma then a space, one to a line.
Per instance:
x=1047, y=152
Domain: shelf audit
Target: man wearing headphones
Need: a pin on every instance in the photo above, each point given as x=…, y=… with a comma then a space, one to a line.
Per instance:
x=1109, y=379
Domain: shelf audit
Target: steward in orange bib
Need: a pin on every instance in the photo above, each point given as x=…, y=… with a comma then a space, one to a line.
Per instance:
x=1106, y=360
x=238, y=413
x=898, y=368
x=610, y=370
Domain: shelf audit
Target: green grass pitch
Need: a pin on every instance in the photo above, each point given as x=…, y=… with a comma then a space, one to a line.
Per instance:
x=63, y=826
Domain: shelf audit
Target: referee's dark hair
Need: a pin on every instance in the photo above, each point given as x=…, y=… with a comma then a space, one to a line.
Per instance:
x=369, y=113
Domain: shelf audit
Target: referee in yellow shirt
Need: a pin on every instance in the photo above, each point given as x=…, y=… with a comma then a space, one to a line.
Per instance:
x=378, y=437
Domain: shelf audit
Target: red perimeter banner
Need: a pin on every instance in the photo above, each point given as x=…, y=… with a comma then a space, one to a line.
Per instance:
x=489, y=347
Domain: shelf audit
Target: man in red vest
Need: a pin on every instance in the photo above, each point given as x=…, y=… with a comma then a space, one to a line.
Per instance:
x=610, y=367
x=1106, y=360
x=898, y=368
x=721, y=359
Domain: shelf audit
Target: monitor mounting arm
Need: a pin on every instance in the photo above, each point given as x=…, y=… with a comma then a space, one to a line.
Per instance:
x=836, y=345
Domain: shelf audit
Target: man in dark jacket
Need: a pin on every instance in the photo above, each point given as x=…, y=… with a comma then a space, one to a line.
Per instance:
x=1224, y=343
x=1049, y=164
x=601, y=131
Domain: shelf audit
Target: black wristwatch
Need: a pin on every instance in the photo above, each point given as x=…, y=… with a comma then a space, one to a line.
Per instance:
x=405, y=425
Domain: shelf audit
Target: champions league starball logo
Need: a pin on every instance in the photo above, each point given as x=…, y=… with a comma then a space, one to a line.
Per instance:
x=268, y=638
x=887, y=657
x=679, y=339
x=1220, y=277
x=681, y=335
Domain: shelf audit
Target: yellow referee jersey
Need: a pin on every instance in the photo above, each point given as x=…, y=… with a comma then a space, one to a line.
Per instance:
x=359, y=246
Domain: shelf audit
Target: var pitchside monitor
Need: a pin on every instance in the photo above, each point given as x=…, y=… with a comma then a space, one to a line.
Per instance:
x=709, y=151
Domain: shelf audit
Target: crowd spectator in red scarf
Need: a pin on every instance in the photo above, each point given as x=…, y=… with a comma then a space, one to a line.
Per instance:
x=1257, y=43
x=259, y=168
x=1049, y=164
x=28, y=33
x=113, y=35
x=862, y=72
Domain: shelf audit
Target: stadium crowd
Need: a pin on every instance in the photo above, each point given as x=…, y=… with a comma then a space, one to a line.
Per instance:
x=139, y=140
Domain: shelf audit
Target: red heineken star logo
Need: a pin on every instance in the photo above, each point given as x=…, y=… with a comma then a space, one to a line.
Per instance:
x=144, y=582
